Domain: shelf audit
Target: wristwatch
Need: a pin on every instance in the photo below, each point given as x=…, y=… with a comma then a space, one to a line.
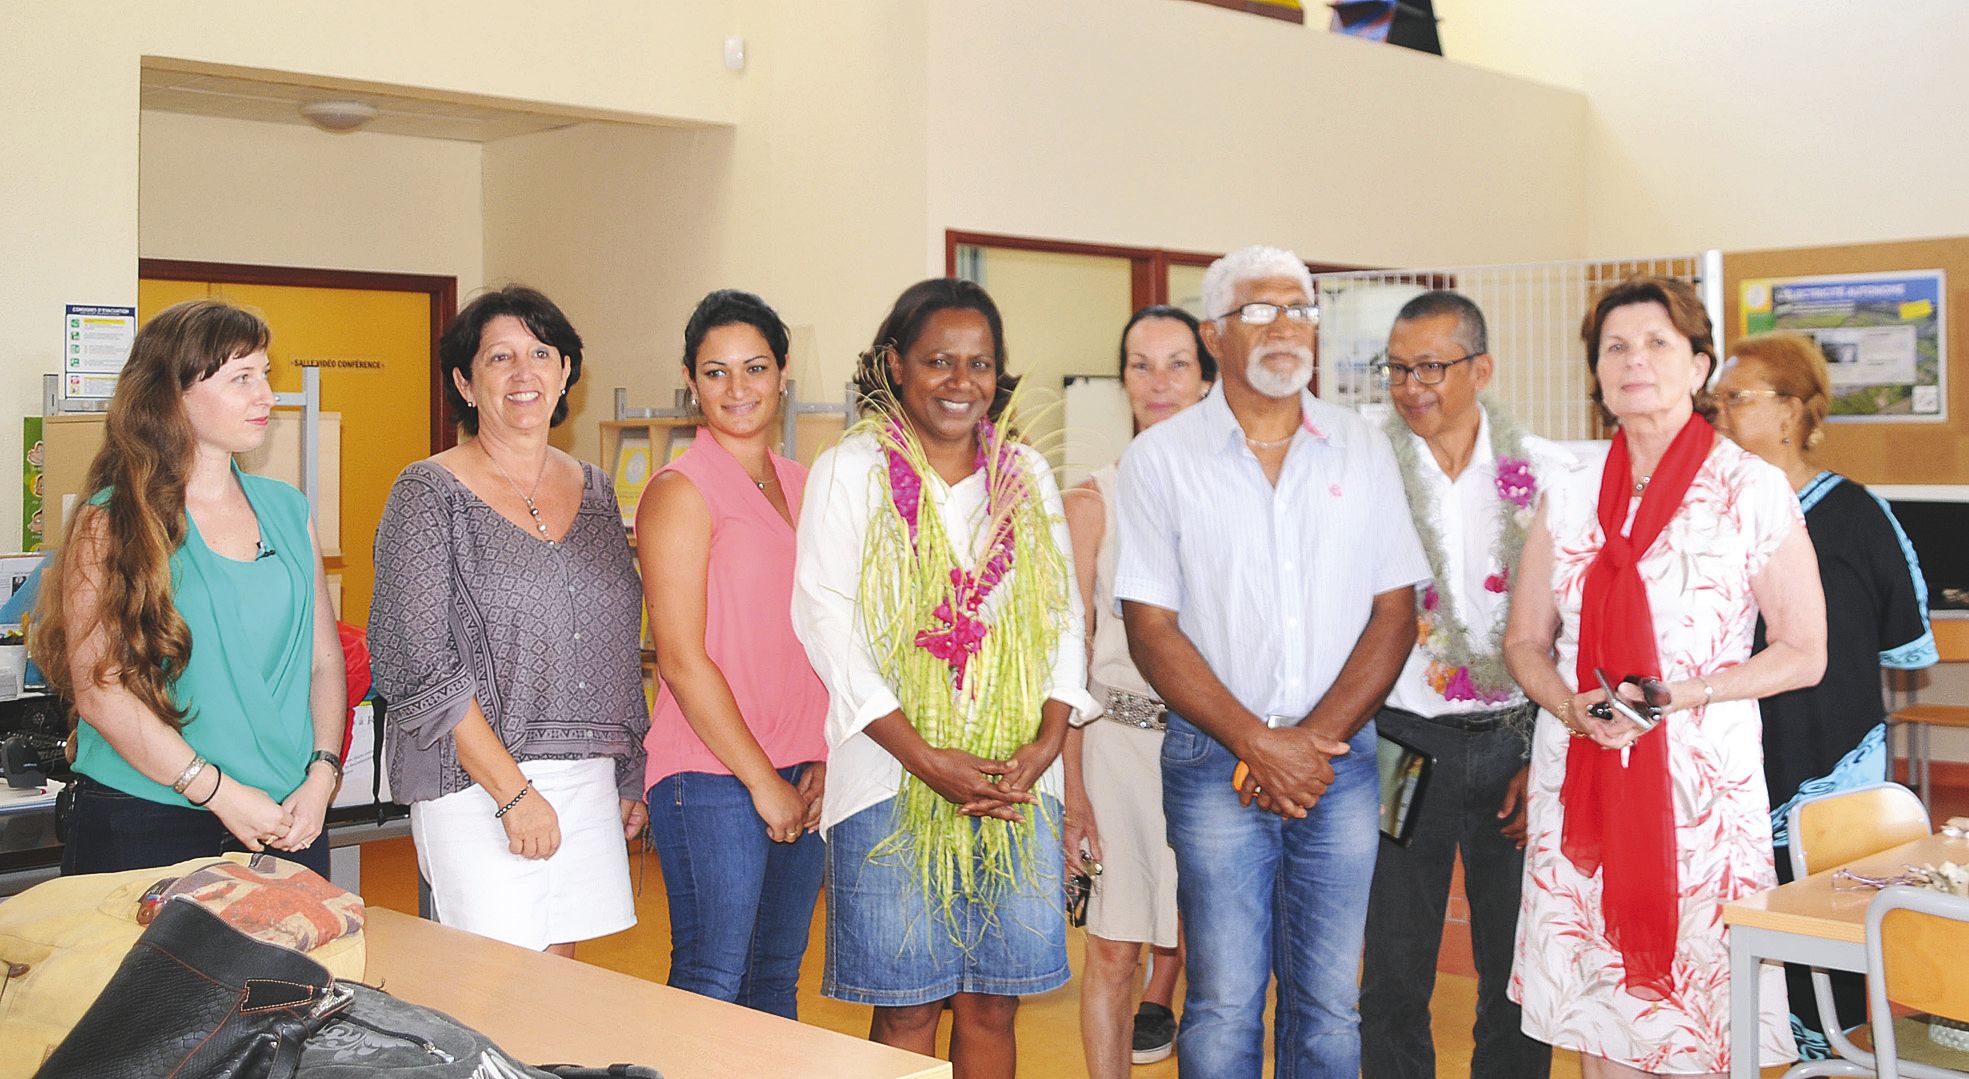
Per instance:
x=334, y=761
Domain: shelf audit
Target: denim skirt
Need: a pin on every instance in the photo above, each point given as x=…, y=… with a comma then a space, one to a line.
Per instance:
x=888, y=946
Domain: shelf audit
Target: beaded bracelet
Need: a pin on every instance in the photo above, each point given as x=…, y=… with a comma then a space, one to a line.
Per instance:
x=189, y=775
x=501, y=811
x=1565, y=719
x=221, y=774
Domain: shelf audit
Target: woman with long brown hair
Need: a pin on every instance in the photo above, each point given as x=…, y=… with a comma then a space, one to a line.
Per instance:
x=186, y=618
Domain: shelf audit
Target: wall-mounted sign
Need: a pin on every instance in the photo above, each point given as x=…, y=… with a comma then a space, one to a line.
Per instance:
x=1885, y=338
x=95, y=342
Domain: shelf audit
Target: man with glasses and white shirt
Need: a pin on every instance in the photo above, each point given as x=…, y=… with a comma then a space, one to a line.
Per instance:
x=1266, y=579
x=1473, y=479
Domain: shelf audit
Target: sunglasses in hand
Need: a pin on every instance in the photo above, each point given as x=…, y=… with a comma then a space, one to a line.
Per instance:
x=1654, y=701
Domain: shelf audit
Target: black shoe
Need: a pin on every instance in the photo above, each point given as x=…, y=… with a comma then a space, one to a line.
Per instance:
x=1155, y=1033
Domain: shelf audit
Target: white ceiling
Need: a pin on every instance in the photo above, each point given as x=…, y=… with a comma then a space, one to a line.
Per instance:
x=280, y=102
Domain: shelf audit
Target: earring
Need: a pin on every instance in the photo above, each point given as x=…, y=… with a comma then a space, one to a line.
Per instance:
x=693, y=398
x=1785, y=441
x=782, y=393
x=469, y=403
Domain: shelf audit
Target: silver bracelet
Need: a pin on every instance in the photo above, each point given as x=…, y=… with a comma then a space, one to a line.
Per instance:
x=189, y=775
x=1708, y=691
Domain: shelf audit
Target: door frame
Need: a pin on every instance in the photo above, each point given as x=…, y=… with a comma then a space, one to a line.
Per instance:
x=1148, y=266
x=442, y=290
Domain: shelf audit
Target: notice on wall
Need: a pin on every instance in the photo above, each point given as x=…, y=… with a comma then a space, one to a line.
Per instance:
x=95, y=342
x=1885, y=338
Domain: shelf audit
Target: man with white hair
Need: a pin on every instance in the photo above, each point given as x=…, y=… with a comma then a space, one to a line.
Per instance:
x=1266, y=577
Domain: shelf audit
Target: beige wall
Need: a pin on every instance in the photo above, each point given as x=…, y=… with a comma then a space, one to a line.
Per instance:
x=814, y=199
x=1188, y=126
x=1745, y=126
x=612, y=222
x=69, y=94
x=218, y=190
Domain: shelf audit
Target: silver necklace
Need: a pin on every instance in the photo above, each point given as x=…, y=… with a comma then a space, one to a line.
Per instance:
x=538, y=522
x=1258, y=444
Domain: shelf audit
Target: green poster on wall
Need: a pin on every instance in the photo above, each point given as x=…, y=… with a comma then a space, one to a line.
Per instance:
x=31, y=481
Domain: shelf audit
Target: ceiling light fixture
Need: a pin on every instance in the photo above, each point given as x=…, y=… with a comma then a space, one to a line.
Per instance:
x=340, y=117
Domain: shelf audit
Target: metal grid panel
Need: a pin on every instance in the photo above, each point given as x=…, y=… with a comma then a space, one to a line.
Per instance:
x=1533, y=311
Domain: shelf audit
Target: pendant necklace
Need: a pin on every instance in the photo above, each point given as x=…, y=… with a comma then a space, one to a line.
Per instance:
x=538, y=523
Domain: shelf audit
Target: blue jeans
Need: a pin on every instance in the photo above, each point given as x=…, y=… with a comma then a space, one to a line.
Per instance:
x=1260, y=894
x=741, y=905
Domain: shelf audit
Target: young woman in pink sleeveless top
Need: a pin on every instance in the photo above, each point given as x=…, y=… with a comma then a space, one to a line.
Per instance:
x=736, y=752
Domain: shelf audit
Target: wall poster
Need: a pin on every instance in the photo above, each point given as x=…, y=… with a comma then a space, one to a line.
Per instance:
x=1885, y=337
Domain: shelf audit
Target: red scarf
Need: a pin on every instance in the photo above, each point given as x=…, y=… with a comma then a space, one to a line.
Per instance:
x=1621, y=820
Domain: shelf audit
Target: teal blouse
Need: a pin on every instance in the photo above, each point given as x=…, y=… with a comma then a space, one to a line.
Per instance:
x=245, y=687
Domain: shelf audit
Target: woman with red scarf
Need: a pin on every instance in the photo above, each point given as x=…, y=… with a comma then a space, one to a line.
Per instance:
x=1654, y=582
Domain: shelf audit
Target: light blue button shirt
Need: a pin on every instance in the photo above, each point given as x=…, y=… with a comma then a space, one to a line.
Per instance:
x=1273, y=585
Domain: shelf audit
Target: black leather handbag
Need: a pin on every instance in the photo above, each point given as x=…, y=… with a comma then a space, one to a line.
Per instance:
x=197, y=999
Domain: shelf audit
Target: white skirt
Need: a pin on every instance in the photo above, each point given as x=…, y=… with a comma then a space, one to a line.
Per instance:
x=481, y=886
x=1135, y=896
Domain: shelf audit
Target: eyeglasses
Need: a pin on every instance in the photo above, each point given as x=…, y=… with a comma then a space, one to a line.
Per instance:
x=1740, y=398
x=1428, y=372
x=1264, y=314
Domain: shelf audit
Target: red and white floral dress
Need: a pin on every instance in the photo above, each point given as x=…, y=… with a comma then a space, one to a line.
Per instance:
x=1568, y=974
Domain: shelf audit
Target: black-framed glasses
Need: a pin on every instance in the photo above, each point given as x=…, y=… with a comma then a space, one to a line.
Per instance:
x=1428, y=372
x=1264, y=314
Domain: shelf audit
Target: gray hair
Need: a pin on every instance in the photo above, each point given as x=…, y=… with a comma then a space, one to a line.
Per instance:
x=1252, y=263
x=1471, y=332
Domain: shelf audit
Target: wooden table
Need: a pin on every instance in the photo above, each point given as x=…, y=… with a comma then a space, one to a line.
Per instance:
x=1811, y=922
x=545, y=1009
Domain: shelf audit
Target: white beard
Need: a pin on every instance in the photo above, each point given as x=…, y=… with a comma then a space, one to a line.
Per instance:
x=1270, y=382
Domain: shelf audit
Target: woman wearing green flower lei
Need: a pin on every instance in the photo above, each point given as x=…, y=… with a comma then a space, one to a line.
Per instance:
x=933, y=593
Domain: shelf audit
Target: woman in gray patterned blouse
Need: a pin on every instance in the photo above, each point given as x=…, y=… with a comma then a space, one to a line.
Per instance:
x=505, y=631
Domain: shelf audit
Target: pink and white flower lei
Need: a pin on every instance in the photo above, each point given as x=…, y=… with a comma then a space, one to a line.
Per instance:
x=962, y=632
x=1457, y=670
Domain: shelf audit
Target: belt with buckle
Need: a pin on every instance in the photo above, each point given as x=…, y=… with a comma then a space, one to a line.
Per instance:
x=1476, y=722
x=1142, y=713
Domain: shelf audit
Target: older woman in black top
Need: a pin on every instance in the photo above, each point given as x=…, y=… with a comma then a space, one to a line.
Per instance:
x=505, y=633
x=1772, y=396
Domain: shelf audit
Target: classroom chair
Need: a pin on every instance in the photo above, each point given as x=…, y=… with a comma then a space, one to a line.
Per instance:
x=1831, y=830
x=1916, y=940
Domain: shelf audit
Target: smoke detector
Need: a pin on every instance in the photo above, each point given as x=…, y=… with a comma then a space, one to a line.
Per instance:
x=338, y=116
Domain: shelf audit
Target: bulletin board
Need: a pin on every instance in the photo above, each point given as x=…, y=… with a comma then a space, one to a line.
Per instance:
x=1877, y=453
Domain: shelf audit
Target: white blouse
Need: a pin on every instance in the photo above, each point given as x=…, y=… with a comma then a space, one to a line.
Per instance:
x=844, y=490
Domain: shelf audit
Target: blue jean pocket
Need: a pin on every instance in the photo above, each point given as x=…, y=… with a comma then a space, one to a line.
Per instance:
x=1184, y=745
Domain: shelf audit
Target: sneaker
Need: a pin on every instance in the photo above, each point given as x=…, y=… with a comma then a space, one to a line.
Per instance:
x=1155, y=1033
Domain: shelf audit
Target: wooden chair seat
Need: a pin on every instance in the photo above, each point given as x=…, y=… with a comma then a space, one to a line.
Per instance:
x=1916, y=939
